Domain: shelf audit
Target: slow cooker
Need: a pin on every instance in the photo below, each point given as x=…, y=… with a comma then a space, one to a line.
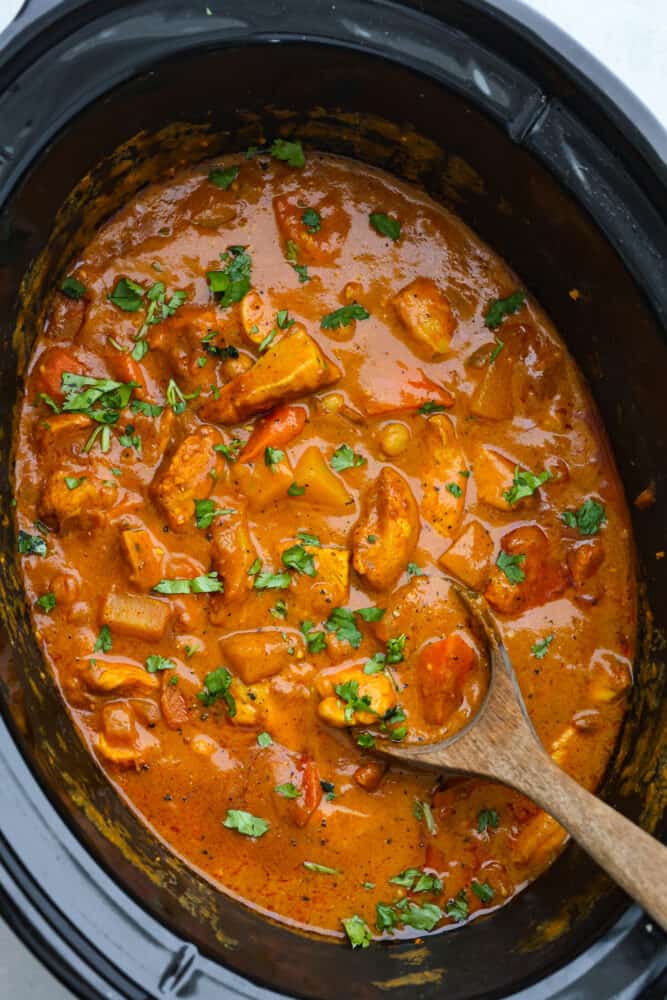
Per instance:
x=559, y=168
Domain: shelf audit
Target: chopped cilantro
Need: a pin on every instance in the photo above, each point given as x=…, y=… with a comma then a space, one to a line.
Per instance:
x=500, y=308
x=371, y=614
x=288, y=790
x=279, y=610
x=103, y=643
x=423, y=813
x=264, y=740
x=272, y=581
x=541, y=647
x=487, y=819
x=155, y=663
x=315, y=641
x=376, y=664
x=73, y=289
x=73, y=482
x=206, y=511
x=454, y=489
x=298, y=559
x=292, y=256
x=365, y=740
x=341, y=621
x=385, y=225
x=343, y=316
x=127, y=295
x=246, y=823
x=207, y=584
x=524, y=485
x=312, y=866
x=587, y=519
x=344, y=458
x=46, y=602
x=308, y=539
x=312, y=220
x=233, y=281
x=288, y=151
x=396, y=648
x=223, y=178
x=457, y=908
x=511, y=566
x=429, y=407
x=358, y=931
x=272, y=457
x=294, y=490
x=413, y=569
x=483, y=891
x=216, y=685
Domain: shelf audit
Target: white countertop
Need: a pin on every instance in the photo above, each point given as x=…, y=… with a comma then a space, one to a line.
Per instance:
x=630, y=38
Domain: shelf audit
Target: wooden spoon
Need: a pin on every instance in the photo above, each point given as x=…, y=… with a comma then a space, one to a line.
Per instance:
x=500, y=743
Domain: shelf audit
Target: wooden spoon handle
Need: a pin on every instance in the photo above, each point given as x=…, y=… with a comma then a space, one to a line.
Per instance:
x=634, y=859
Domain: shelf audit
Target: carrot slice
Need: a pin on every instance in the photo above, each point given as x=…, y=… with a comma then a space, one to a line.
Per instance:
x=442, y=668
x=49, y=369
x=279, y=427
x=406, y=391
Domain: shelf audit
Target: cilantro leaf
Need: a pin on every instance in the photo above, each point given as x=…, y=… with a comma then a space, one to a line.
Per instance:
x=341, y=621
x=423, y=813
x=292, y=256
x=524, y=485
x=429, y=407
x=496, y=350
x=127, y=295
x=482, y=890
x=264, y=740
x=73, y=289
x=500, y=308
x=315, y=641
x=246, y=823
x=587, y=519
x=155, y=663
x=413, y=569
x=294, y=490
x=223, y=178
x=177, y=399
x=365, y=740
x=349, y=693
x=312, y=220
x=457, y=908
x=73, y=482
x=288, y=790
x=385, y=225
x=344, y=458
x=290, y=152
x=511, y=566
x=233, y=281
x=422, y=918
x=343, y=316
x=385, y=917
x=207, y=584
x=103, y=643
x=272, y=581
x=46, y=602
x=376, y=664
x=487, y=819
x=358, y=931
x=308, y=539
x=396, y=648
x=454, y=489
x=298, y=559
x=216, y=685
x=312, y=866
x=541, y=647
x=147, y=409
x=273, y=456
x=371, y=614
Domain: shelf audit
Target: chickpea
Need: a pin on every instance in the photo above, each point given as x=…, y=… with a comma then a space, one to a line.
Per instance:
x=394, y=438
x=333, y=402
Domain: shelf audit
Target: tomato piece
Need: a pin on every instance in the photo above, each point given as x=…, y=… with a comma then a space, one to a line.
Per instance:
x=441, y=670
x=279, y=427
x=48, y=371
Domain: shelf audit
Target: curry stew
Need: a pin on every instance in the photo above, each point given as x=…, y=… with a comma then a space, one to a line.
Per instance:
x=278, y=402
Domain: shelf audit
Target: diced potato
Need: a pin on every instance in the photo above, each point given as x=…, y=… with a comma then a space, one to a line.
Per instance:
x=322, y=485
x=233, y=551
x=261, y=485
x=323, y=246
x=78, y=508
x=563, y=745
x=469, y=558
x=135, y=615
x=426, y=314
x=261, y=653
x=377, y=687
x=118, y=722
x=107, y=676
x=538, y=841
x=329, y=588
x=257, y=318
x=187, y=477
x=444, y=484
x=143, y=556
x=386, y=533
x=292, y=366
x=494, y=475
x=493, y=398
x=250, y=703
x=611, y=676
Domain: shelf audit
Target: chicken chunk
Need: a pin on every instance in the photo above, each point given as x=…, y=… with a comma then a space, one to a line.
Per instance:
x=261, y=653
x=493, y=397
x=115, y=677
x=173, y=705
x=135, y=615
x=144, y=557
x=47, y=374
x=323, y=246
x=330, y=587
x=77, y=499
x=342, y=690
x=444, y=481
x=67, y=318
x=426, y=314
x=188, y=476
x=469, y=558
x=274, y=767
x=423, y=609
x=526, y=573
x=386, y=534
x=233, y=552
x=292, y=367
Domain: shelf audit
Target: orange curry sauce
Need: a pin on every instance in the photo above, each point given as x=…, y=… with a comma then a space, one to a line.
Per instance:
x=274, y=407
